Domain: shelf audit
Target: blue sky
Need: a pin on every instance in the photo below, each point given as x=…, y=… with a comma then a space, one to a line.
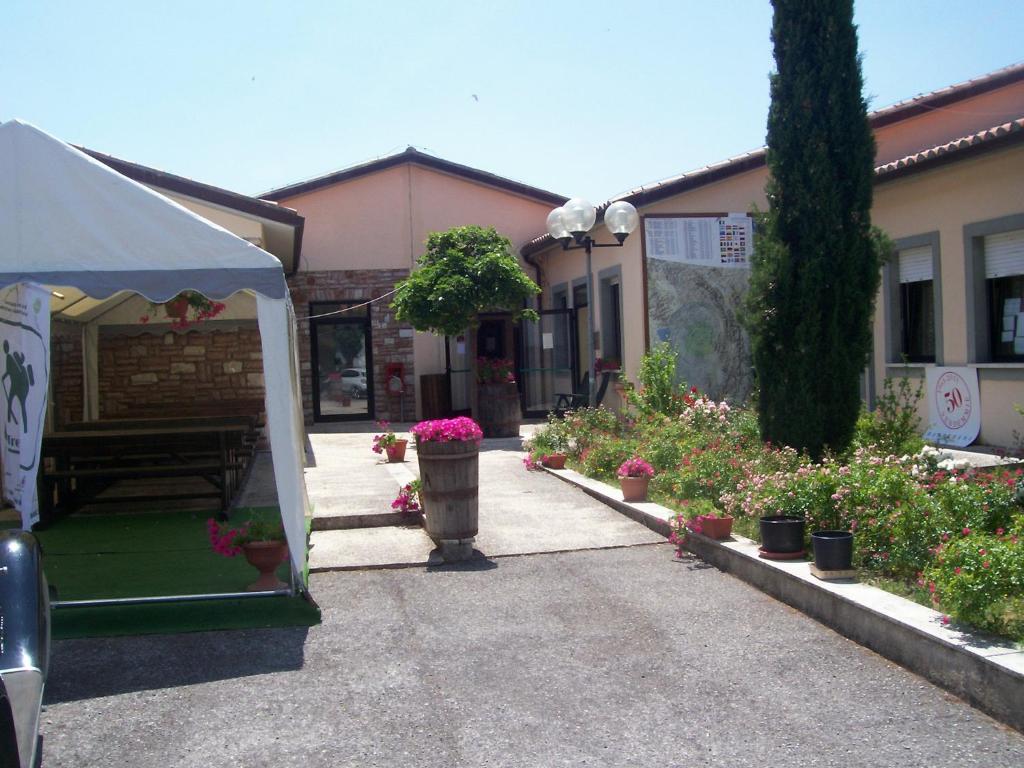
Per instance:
x=254, y=95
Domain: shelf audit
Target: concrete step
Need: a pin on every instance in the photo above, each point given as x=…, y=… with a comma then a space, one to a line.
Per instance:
x=359, y=548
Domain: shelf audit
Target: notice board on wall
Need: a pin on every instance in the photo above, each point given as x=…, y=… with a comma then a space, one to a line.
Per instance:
x=697, y=272
x=712, y=241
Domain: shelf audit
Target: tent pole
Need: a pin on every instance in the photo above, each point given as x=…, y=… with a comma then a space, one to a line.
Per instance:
x=57, y=604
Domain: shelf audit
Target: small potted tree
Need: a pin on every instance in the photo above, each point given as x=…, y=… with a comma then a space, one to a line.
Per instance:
x=463, y=272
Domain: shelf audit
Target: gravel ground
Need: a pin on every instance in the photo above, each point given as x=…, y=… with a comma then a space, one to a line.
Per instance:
x=619, y=657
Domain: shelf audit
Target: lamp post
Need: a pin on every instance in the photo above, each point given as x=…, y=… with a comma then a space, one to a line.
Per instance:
x=570, y=224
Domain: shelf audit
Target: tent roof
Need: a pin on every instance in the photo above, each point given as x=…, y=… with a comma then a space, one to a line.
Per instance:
x=68, y=220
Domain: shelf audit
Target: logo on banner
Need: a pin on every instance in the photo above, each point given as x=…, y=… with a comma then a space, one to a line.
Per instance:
x=24, y=379
x=954, y=406
x=953, y=400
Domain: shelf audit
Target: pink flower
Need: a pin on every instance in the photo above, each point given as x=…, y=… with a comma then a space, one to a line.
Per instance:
x=966, y=531
x=985, y=564
x=945, y=620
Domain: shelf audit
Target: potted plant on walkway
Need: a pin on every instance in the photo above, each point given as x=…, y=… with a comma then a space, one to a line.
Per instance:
x=549, y=445
x=407, y=503
x=634, y=476
x=389, y=444
x=448, y=451
x=463, y=272
x=262, y=542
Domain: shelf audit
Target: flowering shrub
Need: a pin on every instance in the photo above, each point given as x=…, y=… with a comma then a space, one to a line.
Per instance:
x=979, y=579
x=386, y=440
x=588, y=426
x=701, y=412
x=635, y=467
x=407, y=503
x=460, y=429
x=492, y=370
x=918, y=516
x=227, y=540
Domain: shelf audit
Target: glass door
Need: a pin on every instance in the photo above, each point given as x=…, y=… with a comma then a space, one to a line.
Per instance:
x=548, y=366
x=342, y=362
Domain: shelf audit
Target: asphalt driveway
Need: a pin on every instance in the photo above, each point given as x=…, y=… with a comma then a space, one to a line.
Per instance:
x=616, y=657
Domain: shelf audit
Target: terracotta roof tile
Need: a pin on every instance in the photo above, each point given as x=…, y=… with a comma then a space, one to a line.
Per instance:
x=985, y=137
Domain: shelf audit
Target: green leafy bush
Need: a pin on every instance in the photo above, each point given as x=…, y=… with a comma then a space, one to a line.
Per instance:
x=658, y=392
x=894, y=426
x=979, y=579
x=602, y=459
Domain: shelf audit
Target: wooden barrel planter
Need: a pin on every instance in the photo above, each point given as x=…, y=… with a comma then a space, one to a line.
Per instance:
x=449, y=477
x=500, y=415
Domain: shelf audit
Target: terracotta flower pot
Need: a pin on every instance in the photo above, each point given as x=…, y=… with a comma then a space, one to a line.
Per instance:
x=716, y=527
x=554, y=461
x=265, y=557
x=396, y=452
x=634, y=488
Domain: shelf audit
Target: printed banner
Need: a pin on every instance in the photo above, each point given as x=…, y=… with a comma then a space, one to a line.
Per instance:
x=25, y=338
x=954, y=406
x=703, y=241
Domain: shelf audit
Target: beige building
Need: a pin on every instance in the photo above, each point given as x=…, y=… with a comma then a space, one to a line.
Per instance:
x=949, y=191
x=365, y=227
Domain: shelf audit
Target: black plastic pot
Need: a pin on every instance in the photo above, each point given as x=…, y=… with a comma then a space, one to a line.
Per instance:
x=782, y=533
x=833, y=550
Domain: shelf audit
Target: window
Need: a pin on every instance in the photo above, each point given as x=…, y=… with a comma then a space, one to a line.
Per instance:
x=610, y=291
x=916, y=304
x=913, y=291
x=1004, y=289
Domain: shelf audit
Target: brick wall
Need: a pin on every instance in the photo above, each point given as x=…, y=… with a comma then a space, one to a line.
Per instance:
x=154, y=369
x=67, y=393
x=387, y=342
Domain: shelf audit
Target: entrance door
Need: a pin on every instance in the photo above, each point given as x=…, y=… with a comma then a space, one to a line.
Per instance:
x=342, y=360
x=548, y=365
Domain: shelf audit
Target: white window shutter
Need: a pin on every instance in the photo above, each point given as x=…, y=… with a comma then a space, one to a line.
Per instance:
x=916, y=264
x=1004, y=254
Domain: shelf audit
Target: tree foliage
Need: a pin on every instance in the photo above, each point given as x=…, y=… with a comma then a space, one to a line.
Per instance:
x=464, y=271
x=816, y=265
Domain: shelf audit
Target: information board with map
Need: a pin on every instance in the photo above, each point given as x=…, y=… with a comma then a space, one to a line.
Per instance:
x=725, y=241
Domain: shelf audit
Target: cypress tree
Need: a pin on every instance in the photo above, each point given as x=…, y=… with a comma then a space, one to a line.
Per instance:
x=815, y=270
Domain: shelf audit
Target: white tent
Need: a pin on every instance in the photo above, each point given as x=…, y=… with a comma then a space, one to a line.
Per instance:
x=74, y=225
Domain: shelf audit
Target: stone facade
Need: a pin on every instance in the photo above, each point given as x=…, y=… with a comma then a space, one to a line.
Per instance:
x=141, y=372
x=391, y=342
x=67, y=388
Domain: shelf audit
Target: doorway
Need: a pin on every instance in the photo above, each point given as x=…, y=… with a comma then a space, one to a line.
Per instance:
x=548, y=362
x=342, y=362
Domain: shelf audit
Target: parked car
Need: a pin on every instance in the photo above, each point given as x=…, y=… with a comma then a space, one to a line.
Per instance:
x=353, y=382
x=24, y=648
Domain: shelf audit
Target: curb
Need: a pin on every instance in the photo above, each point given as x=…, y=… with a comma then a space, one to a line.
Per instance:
x=986, y=672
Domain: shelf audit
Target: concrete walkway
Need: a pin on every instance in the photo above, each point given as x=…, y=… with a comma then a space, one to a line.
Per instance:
x=520, y=512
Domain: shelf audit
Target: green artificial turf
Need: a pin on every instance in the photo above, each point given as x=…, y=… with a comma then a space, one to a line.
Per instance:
x=156, y=554
x=174, y=618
